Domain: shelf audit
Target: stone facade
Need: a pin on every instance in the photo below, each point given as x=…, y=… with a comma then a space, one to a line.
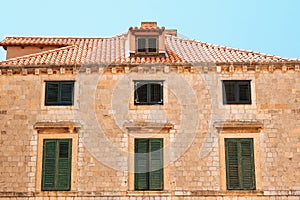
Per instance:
x=193, y=122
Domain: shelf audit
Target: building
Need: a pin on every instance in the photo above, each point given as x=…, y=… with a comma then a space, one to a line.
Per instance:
x=147, y=115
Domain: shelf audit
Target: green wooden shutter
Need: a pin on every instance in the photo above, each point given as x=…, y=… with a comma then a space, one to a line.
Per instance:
x=64, y=165
x=66, y=93
x=247, y=163
x=240, y=174
x=56, y=173
x=49, y=165
x=156, y=164
x=52, y=93
x=141, y=161
x=232, y=164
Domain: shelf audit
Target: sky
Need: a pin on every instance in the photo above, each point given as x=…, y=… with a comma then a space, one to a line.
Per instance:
x=267, y=26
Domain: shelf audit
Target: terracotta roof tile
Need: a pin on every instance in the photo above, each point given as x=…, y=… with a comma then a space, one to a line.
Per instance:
x=113, y=51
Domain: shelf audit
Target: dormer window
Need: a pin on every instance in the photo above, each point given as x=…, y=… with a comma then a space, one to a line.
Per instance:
x=146, y=45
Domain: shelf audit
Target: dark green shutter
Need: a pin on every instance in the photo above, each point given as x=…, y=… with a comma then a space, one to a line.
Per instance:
x=148, y=167
x=66, y=93
x=59, y=93
x=240, y=174
x=156, y=92
x=52, y=93
x=49, y=165
x=56, y=165
x=156, y=164
x=247, y=163
x=141, y=160
x=140, y=93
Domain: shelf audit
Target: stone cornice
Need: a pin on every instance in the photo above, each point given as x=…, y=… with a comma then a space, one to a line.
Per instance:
x=147, y=68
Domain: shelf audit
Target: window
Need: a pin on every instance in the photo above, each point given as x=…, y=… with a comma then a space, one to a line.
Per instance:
x=56, y=169
x=240, y=171
x=59, y=93
x=148, y=164
x=236, y=92
x=148, y=92
x=147, y=45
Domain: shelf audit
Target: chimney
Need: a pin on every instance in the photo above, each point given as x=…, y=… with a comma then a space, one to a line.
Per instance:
x=149, y=25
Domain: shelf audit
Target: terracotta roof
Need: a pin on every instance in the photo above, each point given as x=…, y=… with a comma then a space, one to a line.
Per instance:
x=113, y=51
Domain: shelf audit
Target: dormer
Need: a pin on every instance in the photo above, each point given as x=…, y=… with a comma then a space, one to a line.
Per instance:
x=147, y=40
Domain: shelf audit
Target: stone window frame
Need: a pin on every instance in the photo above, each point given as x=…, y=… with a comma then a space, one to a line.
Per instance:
x=257, y=155
x=59, y=78
x=148, y=131
x=148, y=77
x=236, y=77
x=59, y=130
x=149, y=83
x=236, y=83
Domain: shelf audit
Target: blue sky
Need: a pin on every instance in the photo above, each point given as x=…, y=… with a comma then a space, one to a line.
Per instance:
x=267, y=26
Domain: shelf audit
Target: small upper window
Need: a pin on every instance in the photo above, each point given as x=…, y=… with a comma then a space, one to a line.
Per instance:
x=236, y=92
x=147, y=45
x=59, y=93
x=148, y=92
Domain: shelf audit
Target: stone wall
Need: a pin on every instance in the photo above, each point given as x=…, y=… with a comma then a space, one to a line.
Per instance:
x=192, y=105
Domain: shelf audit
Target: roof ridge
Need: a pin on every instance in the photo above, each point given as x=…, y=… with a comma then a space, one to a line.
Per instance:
x=41, y=53
x=65, y=37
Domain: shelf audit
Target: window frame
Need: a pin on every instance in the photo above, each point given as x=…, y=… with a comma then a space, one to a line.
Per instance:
x=60, y=101
x=236, y=90
x=50, y=133
x=148, y=155
x=239, y=160
x=58, y=159
x=149, y=84
x=147, y=45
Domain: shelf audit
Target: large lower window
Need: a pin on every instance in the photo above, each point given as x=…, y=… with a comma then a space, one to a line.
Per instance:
x=148, y=92
x=236, y=92
x=240, y=170
x=148, y=159
x=56, y=169
x=59, y=93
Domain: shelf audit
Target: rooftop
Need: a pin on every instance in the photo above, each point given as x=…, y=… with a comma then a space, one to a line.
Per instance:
x=80, y=51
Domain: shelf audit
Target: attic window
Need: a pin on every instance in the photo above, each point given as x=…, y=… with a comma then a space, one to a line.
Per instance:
x=146, y=45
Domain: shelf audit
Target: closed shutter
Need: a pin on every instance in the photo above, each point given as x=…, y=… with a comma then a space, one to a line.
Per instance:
x=240, y=172
x=156, y=92
x=64, y=165
x=52, y=93
x=247, y=163
x=148, y=169
x=156, y=164
x=140, y=93
x=141, y=160
x=49, y=165
x=66, y=93
x=56, y=165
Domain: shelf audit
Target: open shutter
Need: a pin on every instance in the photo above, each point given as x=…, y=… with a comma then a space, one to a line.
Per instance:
x=156, y=164
x=64, y=165
x=247, y=163
x=232, y=164
x=141, y=161
x=49, y=165
x=66, y=93
x=52, y=93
